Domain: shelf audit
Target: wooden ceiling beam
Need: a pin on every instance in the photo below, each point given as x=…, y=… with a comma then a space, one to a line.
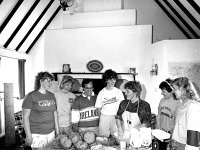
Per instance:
x=42, y=30
x=34, y=25
x=21, y=23
x=173, y=19
x=189, y=15
x=181, y=19
x=194, y=5
x=11, y=14
x=1, y=1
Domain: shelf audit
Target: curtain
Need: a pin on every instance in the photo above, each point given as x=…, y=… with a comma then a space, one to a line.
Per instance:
x=21, y=76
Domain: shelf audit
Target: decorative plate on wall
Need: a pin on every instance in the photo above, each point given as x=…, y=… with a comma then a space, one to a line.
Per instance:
x=94, y=66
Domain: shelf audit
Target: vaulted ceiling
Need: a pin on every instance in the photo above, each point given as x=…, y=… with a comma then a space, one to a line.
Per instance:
x=22, y=22
x=185, y=14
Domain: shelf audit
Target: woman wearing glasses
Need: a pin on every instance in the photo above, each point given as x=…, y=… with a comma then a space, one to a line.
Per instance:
x=39, y=113
x=85, y=117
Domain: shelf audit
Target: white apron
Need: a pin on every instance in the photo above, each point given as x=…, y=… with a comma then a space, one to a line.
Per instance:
x=130, y=120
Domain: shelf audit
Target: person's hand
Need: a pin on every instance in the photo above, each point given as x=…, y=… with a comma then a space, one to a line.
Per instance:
x=29, y=141
x=120, y=132
x=57, y=133
x=75, y=127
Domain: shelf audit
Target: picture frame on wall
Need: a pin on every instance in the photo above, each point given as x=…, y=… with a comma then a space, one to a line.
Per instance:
x=66, y=68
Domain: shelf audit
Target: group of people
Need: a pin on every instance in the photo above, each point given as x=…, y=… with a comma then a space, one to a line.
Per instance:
x=178, y=114
x=47, y=115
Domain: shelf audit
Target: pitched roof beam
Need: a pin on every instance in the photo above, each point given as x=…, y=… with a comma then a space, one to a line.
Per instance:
x=34, y=25
x=21, y=23
x=1, y=1
x=181, y=19
x=194, y=5
x=173, y=19
x=189, y=15
x=42, y=30
x=10, y=15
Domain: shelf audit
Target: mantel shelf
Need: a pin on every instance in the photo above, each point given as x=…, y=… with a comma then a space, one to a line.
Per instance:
x=91, y=73
x=88, y=73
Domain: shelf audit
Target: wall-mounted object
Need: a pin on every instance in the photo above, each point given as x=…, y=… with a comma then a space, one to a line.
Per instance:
x=132, y=70
x=154, y=70
x=71, y=6
x=65, y=4
x=94, y=66
x=66, y=68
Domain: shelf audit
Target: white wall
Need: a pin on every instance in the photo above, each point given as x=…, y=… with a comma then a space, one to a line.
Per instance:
x=148, y=12
x=152, y=82
x=116, y=47
x=101, y=5
x=101, y=18
x=164, y=52
x=35, y=64
x=182, y=50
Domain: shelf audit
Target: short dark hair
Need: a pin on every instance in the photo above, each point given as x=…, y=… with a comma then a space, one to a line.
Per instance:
x=134, y=86
x=166, y=85
x=109, y=74
x=42, y=76
x=86, y=81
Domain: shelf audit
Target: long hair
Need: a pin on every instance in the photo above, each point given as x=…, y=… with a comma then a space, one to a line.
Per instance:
x=42, y=76
x=188, y=87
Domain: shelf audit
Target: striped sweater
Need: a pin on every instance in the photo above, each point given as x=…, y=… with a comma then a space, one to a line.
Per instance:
x=84, y=112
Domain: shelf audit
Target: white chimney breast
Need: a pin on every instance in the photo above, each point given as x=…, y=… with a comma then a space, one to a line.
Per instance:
x=100, y=19
x=101, y=5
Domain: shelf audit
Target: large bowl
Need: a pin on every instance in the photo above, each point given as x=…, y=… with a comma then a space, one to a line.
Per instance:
x=125, y=138
x=160, y=134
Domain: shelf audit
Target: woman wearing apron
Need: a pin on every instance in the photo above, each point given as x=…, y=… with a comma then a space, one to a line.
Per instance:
x=133, y=112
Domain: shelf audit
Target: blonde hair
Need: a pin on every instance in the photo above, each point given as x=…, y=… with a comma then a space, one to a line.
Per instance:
x=187, y=85
x=193, y=92
x=64, y=80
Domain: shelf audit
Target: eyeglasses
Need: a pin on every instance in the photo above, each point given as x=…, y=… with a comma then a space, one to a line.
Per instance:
x=48, y=80
x=88, y=88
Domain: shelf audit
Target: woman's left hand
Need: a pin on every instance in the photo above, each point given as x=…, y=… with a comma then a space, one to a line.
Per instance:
x=57, y=133
x=28, y=141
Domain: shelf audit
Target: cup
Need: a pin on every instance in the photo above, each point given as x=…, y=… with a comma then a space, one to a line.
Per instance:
x=132, y=70
x=122, y=145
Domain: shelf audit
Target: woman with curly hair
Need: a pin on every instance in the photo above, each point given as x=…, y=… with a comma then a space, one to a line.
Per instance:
x=108, y=101
x=133, y=112
x=186, y=134
x=39, y=113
